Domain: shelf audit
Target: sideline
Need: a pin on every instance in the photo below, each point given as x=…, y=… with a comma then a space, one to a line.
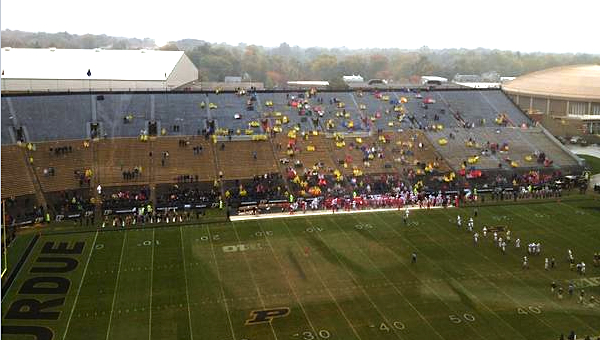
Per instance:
x=13, y=274
x=326, y=212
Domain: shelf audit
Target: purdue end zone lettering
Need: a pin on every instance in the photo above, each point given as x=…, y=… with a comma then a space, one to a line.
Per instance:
x=266, y=315
x=23, y=308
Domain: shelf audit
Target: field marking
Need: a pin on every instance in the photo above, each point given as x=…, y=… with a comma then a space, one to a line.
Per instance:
x=363, y=290
x=287, y=279
x=568, y=217
x=323, y=284
x=212, y=248
x=262, y=302
x=12, y=276
x=151, y=279
x=187, y=294
x=369, y=230
x=80, y=284
x=112, y=307
x=448, y=276
x=526, y=286
x=544, y=274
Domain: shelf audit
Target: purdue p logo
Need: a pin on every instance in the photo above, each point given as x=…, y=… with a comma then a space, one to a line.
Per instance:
x=266, y=315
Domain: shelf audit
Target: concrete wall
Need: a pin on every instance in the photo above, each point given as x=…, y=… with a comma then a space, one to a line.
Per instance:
x=81, y=85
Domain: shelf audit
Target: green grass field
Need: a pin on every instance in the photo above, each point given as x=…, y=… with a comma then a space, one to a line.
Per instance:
x=592, y=162
x=342, y=277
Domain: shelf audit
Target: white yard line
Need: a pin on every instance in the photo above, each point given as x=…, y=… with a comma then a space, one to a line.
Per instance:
x=478, y=276
x=325, y=212
x=212, y=248
x=80, y=284
x=187, y=294
x=573, y=316
x=288, y=281
x=151, y=279
x=398, y=291
x=262, y=301
x=112, y=307
x=362, y=289
x=325, y=285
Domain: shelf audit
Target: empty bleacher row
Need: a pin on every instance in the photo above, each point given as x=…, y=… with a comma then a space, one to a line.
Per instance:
x=62, y=117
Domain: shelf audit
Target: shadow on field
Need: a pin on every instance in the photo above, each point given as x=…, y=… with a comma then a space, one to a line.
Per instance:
x=333, y=256
x=296, y=265
x=464, y=298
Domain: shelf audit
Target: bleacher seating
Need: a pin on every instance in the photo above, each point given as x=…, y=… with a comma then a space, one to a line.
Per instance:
x=124, y=154
x=184, y=159
x=15, y=178
x=61, y=165
x=521, y=147
x=236, y=159
x=307, y=158
x=49, y=118
x=411, y=130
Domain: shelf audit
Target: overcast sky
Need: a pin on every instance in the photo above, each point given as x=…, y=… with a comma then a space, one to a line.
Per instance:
x=518, y=25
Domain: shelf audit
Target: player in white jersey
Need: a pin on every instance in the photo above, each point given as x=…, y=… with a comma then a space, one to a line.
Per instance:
x=518, y=243
x=484, y=231
x=546, y=264
x=475, y=238
x=503, y=246
x=458, y=221
x=495, y=236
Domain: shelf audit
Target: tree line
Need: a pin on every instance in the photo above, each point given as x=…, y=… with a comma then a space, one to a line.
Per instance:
x=274, y=66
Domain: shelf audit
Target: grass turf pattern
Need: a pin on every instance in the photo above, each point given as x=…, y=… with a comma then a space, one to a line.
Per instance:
x=342, y=277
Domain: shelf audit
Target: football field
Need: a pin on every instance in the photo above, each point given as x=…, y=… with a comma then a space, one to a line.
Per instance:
x=347, y=276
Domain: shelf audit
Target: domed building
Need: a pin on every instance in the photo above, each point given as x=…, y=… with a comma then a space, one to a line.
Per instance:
x=565, y=99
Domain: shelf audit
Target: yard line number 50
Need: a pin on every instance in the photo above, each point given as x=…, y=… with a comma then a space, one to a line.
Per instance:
x=466, y=316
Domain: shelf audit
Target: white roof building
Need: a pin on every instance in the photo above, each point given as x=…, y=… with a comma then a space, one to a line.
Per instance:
x=353, y=79
x=51, y=69
x=433, y=79
x=308, y=83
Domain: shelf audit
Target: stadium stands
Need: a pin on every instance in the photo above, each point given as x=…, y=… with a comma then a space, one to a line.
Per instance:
x=62, y=165
x=300, y=140
x=493, y=148
x=119, y=158
x=245, y=159
x=188, y=156
x=15, y=181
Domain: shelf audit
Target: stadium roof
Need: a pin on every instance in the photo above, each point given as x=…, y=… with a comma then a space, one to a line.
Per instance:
x=52, y=63
x=573, y=81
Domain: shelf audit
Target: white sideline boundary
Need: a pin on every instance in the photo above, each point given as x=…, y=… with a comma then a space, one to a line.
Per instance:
x=325, y=212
